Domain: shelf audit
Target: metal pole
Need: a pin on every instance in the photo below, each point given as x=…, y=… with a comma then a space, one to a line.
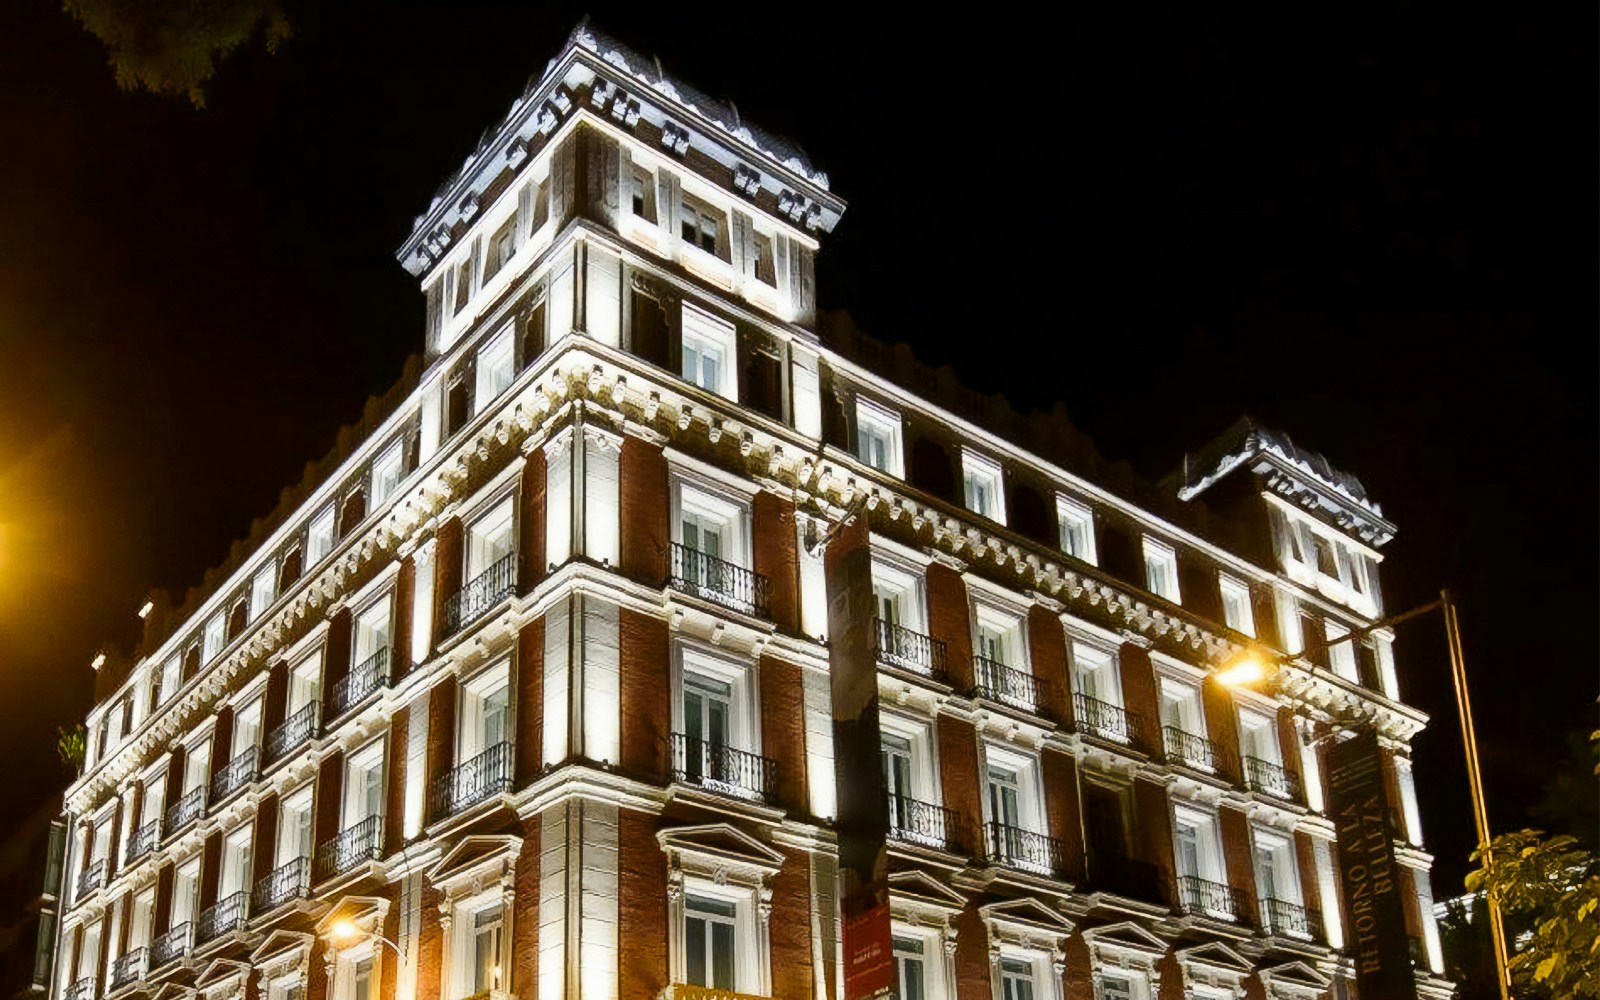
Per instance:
x=1480, y=811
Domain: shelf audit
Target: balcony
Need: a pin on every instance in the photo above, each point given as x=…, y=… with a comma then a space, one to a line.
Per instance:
x=1009, y=686
x=172, y=945
x=723, y=769
x=1202, y=897
x=899, y=647
x=144, y=840
x=913, y=821
x=189, y=807
x=1103, y=720
x=241, y=771
x=130, y=968
x=719, y=581
x=83, y=989
x=283, y=884
x=1271, y=779
x=1185, y=748
x=90, y=879
x=1288, y=919
x=293, y=732
x=227, y=915
x=481, y=595
x=354, y=845
x=361, y=683
x=1015, y=847
x=477, y=780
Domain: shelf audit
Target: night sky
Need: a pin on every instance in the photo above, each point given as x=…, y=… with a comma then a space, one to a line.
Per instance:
x=1375, y=230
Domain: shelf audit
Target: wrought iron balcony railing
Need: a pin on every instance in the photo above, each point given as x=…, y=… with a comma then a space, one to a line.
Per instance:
x=898, y=646
x=227, y=915
x=722, y=768
x=1093, y=717
x=475, y=780
x=172, y=945
x=288, y=881
x=353, y=845
x=1271, y=779
x=1009, y=686
x=83, y=989
x=293, y=732
x=186, y=810
x=1214, y=899
x=1279, y=916
x=482, y=594
x=1018, y=848
x=363, y=681
x=913, y=821
x=130, y=968
x=720, y=581
x=1183, y=747
x=239, y=772
x=144, y=840
x=90, y=879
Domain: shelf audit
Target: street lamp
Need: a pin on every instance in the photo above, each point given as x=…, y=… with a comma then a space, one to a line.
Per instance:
x=345, y=930
x=1255, y=665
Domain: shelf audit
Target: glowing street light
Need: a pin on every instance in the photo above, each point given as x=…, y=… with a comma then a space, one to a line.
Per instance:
x=345, y=931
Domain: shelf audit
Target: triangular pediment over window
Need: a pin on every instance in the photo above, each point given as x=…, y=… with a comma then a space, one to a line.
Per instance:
x=1294, y=980
x=220, y=971
x=920, y=887
x=1124, y=938
x=366, y=912
x=173, y=991
x=1028, y=912
x=720, y=842
x=1217, y=956
x=279, y=944
x=476, y=857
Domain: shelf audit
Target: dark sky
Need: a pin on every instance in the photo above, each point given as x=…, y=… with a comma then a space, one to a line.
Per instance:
x=1374, y=228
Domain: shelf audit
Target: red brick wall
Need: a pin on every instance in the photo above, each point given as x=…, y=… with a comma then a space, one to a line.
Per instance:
x=222, y=740
x=395, y=769
x=777, y=557
x=162, y=918
x=263, y=853
x=1061, y=797
x=430, y=939
x=958, y=769
x=405, y=589
x=276, y=701
x=949, y=617
x=317, y=976
x=646, y=679
x=330, y=782
x=447, y=567
x=531, y=547
x=1139, y=694
x=389, y=974
x=1152, y=831
x=1289, y=743
x=1306, y=857
x=972, y=957
x=210, y=869
x=783, y=730
x=1171, y=973
x=525, y=934
x=530, y=701
x=1406, y=884
x=1047, y=648
x=645, y=509
x=642, y=907
x=441, y=729
x=1239, y=857
x=1078, y=979
x=336, y=658
x=1222, y=725
x=791, y=927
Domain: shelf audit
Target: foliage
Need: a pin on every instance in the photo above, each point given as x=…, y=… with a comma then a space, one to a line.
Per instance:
x=171, y=47
x=71, y=744
x=1555, y=885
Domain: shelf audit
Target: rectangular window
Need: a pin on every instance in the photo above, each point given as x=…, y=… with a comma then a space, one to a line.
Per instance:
x=1341, y=651
x=186, y=892
x=1236, y=611
x=484, y=712
x=1016, y=979
x=1161, y=569
x=763, y=266
x=214, y=638
x=319, y=540
x=1276, y=874
x=700, y=225
x=983, y=484
x=709, y=934
x=1095, y=676
x=878, y=438
x=1077, y=529
x=246, y=728
x=911, y=969
x=263, y=589
x=488, y=928
x=1289, y=622
x=708, y=353
x=197, y=766
x=1115, y=987
x=497, y=366
x=463, y=285
x=372, y=634
x=305, y=682
x=294, y=827
x=363, y=785
x=171, y=677
x=235, y=872
x=642, y=197
x=502, y=247
x=386, y=473
x=361, y=980
x=491, y=539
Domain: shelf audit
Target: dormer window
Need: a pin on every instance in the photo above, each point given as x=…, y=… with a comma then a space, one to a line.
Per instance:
x=496, y=367
x=1161, y=569
x=763, y=265
x=878, y=438
x=1236, y=611
x=643, y=201
x=386, y=473
x=1077, y=529
x=700, y=225
x=981, y=476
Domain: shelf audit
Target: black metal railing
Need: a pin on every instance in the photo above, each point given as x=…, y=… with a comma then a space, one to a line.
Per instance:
x=239, y=772
x=363, y=680
x=1272, y=779
x=144, y=840
x=720, y=581
x=90, y=879
x=711, y=765
x=288, y=881
x=227, y=915
x=913, y=821
x=352, y=846
x=172, y=945
x=1101, y=719
x=1282, y=917
x=130, y=968
x=898, y=646
x=1202, y=896
x=83, y=989
x=1009, y=686
x=1184, y=747
x=480, y=595
x=1018, y=848
x=476, y=780
x=294, y=731
x=186, y=810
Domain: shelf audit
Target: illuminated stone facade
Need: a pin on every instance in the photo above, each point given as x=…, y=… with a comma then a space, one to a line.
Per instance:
x=525, y=693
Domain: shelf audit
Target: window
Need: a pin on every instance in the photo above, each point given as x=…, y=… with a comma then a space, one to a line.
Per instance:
x=905, y=748
x=372, y=634
x=878, y=442
x=294, y=827
x=898, y=601
x=1258, y=737
x=361, y=980
x=1115, y=987
x=1341, y=651
x=186, y=892
x=484, y=712
x=1181, y=708
x=700, y=225
x=1098, y=687
x=1236, y=611
x=710, y=927
x=142, y=920
x=319, y=540
x=1012, y=801
x=1161, y=569
x=171, y=677
x=1016, y=979
x=463, y=285
x=981, y=476
x=1289, y=622
x=488, y=934
x=709, y=352
x=502, y=247
x=387, y=472
x=1199, y=856
x=214, y=638
x=763, y=265
x=235, y=872
x=716, y=715
x=363, y=785
x=305, y=682
x=246, y=728
x=1077, y=529
x=643, y=194
x=911, y=967
x=491, y=540
x=196, y=765
x=999, y=637
x=286, y=988
x=155, y=799
x=1277, y=876
x=712, y=525
x=497, y=366
x=263, y=590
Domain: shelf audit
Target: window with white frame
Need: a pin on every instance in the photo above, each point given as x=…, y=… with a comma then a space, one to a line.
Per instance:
x=358, y=976
x=502, y=247
x=709, y=352
x=213, y=639
x=714, y=527
x=1277, y=876
x=1161, y=569
x=1077, y=529
x=763, y=266
x=700, y=225
x=305, y=683
x=263, y=589
x=294, y=827
x=387, y=471
x=496, y=368
x=197, y=765
x=463, y=284
x=1198, y=852
x=479, y=951
x=907, y=751
x=289, y=987
x=1012, y=802
x=983, y=487
x=1289, y=622
x=363, y=786
x=912, y=967
x=900, y=606
x=491, y=539
x=1183, y=716
x=1341, y=651
x=1017, y=978
x=716, y=716
x=89, y=956
x=234, y=876
x=484, y=712
x=141, y=919
x=642, y=194
x=1258, y=737
x=1118, y=986
x=998, y=636
x=155, y=797
x=186, y=892
x=1095, y=674
x=372, y=635
x=171, y=677
x=319, y=538
x=1237, y=613
x=246, y=728
x=878, y=438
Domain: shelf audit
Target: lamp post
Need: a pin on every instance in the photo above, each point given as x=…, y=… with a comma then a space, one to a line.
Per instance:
x=1255, y=667
x=347, y=931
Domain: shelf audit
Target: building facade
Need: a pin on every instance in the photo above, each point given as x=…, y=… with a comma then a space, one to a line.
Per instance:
x=526, y=692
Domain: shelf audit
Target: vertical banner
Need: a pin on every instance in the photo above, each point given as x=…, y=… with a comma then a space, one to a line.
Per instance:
x=858, y=770
x=1375, y=935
